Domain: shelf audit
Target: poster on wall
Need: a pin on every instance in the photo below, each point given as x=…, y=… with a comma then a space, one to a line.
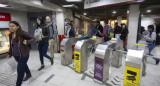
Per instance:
x=98, y=3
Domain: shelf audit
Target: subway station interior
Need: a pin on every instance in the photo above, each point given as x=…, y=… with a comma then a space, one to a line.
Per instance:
x=79, y=42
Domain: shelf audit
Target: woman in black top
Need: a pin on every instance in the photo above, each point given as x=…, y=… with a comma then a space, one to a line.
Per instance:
x=42, y=39
x=123, y=36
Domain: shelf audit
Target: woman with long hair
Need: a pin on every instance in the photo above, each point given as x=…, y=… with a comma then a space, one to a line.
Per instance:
x=41, y=35
x=123, y=36
x=19, y=49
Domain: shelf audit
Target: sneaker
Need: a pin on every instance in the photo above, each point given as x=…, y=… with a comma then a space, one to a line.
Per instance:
x=27, y=77
x=41, y=68
x=52, y=61
x=157, y=61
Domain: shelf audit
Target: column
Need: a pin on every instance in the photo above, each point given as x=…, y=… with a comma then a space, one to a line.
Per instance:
x=119, y=18
x=133, y=25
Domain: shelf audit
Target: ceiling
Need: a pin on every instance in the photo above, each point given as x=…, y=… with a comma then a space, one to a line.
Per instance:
x=20, y=7
x=102, y=13
x=106, y=11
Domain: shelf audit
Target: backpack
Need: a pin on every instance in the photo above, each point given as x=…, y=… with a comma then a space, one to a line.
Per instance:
x=110, y=33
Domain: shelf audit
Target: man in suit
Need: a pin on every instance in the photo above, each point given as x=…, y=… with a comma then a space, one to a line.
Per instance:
x=70, y=31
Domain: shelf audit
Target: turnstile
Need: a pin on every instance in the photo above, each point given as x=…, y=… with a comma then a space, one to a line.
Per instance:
x=135, y=65
x=66, y=50
x=117, y=54
x=102, y=61
x=107, y=54
x=81, y=53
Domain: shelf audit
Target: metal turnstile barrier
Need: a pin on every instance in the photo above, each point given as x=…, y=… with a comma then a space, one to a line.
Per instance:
x=66, y=50
x=135, y=65
x=102, y=61
x=82, y=51
x=117, y=53
x=107, y=54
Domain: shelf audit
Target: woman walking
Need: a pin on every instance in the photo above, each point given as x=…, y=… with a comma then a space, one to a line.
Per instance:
x=19, y=49
x=41, y=35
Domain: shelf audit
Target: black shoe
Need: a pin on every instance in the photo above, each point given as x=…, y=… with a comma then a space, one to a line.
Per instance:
x=52, y=61
x=27, y=77
x=157, y=61
x=41, y=68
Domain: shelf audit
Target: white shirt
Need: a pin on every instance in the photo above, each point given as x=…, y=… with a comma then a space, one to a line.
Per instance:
x=68, y=31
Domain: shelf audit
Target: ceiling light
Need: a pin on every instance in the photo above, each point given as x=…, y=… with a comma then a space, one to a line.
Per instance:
x=128, y=11
x=73, y=0
x=67, y=5
x=3, y=5
x=37, y=2
x=140, y=0
x=114, y=12
x=85, y=14
x=148, y=11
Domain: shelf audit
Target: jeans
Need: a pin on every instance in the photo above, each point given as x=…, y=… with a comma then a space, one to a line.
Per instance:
x=43, y=47
x=151, y=46
x=22, y=68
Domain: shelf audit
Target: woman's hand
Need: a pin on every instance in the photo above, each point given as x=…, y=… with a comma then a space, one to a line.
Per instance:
x=8, y=56
x=25, y=42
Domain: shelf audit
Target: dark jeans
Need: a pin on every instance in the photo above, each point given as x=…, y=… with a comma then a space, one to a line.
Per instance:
x=22, y=68
x=43, y=47
x=151, y=46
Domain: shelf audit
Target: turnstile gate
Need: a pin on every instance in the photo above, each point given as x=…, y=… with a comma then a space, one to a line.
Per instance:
x=81, y=53
x=66, y=50
x=135, y=65
x=107, y=54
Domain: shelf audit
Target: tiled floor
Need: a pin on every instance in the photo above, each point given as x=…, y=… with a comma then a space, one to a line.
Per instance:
x=66, y=76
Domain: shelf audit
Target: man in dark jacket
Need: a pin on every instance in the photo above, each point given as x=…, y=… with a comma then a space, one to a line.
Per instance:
x=70, y=31
x=99, y=28
x=52, y=35
x=117, y=29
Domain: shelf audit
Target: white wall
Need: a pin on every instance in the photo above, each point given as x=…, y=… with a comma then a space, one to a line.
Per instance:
x=20, y=17
x=60, y=22
x=148, y=20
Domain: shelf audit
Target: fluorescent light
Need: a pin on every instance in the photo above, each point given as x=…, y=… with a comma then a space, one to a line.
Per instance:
x=114, y=12
x=148, y=11
x=73, y=0
x=3, y=5
x=85, y=14
x=67, y=5
x=37, y=2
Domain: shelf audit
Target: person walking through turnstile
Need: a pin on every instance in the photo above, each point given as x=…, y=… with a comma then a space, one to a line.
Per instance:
x=42, y=36
x=52, y=35
x=150, y=39
x=19, y=48
x=91, y=32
